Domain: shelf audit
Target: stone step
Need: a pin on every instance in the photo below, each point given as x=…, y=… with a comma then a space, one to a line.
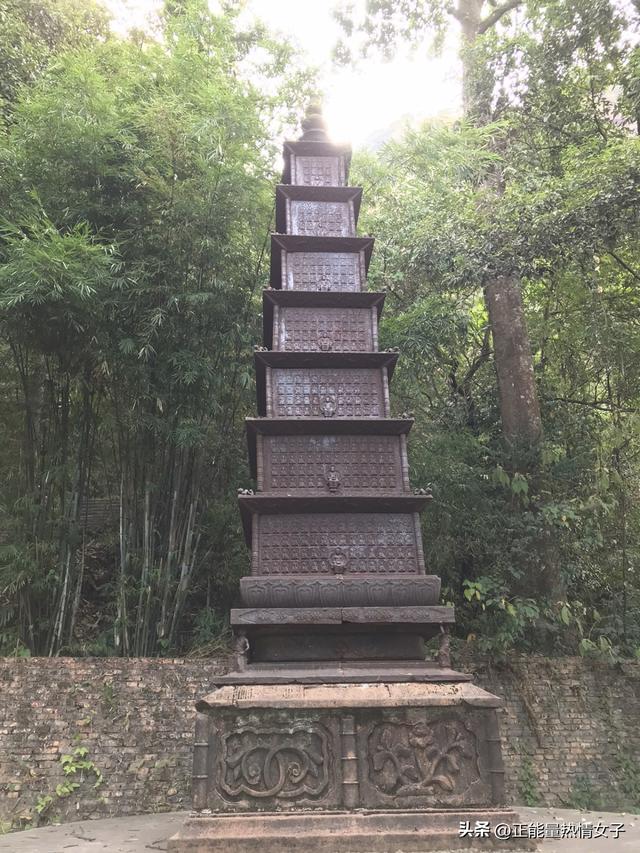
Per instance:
x=342, y=832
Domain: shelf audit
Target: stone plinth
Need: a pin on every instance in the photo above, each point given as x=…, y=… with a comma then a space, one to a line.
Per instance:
x=341, y=832
x=344, y=767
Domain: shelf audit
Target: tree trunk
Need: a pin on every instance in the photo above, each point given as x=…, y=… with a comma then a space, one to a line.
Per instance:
x=519, y=407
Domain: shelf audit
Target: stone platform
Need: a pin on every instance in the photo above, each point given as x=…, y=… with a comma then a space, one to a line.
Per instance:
x=344, y=766
x=341, y=832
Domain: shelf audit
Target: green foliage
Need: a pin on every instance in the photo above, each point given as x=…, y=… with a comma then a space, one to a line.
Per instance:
x=528, y=783
x=32, y=32
x=629, y=782
x=538, y=550
x=76, y=768
x=136, y=187
x=211, y=633
x=77, y=764
x=584, y=795
x=622, y=795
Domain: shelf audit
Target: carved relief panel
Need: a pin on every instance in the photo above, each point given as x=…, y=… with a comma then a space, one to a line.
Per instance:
x=331, y=464
x=273, y=762
x=324, y=392
x=339, y=591
x=318, y=171
x=406, y=758
x=325, y=329
x=425, y=758
x=320, y=218
x=323, y=271
x=331, y=543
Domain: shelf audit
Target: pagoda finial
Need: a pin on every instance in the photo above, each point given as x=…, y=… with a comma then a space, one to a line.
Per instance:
x=313, y=126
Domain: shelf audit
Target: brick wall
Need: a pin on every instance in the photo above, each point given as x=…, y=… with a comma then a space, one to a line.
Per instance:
x=571, y=724
x=564, y=721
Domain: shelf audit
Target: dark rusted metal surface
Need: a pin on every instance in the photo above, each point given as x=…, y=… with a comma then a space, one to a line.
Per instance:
x=325, y=329
x=336, y=264
x=257, y=427
x=323, y=643
x=327, y=393
x=329, y=218
x=294, y=152
x=330, y=543
x=323, y=271
x=331, y=464
x=279, y=616
x=339, y=591
x=317, y=211
x=277, y=303
x=333, y=497
x=313, y=171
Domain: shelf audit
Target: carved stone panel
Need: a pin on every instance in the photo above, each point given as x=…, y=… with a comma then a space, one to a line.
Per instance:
x=339, y=591
x=425, y=758
x=268, y=757
x=325, y=329
x=273, y=762
x=331, y=464
x=321, y=218
x=329, y=543
x=318, y=171
x=323, y=271
x=324, y=392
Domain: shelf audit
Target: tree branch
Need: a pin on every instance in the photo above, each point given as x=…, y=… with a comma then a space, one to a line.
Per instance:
x=599, y=405
x=480, y=359
x=497, y=13
x=623, y=264
x=450, y=9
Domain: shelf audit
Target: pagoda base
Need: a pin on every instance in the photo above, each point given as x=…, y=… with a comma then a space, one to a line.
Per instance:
x=345, y=766
x=343, y=832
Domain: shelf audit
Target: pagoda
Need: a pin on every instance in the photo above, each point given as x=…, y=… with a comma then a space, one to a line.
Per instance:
x=335, y=732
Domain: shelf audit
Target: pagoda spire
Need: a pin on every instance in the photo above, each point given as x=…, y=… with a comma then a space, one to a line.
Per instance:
x=314, y=128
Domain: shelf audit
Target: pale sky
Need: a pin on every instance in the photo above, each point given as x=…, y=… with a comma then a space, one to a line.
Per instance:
x=358, y=102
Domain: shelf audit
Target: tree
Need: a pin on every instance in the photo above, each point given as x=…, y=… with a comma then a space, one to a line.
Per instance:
x=34, y=31
x=138, y=187
x=562, y=533
x=385, y=24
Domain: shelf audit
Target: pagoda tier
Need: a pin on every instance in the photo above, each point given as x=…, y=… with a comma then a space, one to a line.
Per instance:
x=335, y=264
x=316, y=163
x=279, y=441
x=308, y=321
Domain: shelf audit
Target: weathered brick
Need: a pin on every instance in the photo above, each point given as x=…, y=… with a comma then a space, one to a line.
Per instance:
x=571, y=718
